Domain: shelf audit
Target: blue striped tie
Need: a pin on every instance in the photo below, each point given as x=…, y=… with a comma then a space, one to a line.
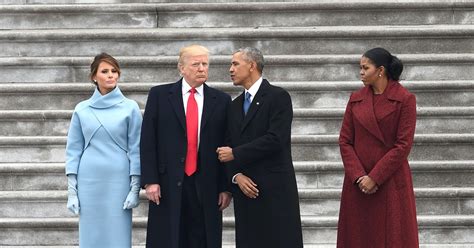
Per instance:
x=247, y=102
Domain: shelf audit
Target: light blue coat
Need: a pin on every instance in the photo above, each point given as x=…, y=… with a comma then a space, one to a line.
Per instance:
x=103, y=150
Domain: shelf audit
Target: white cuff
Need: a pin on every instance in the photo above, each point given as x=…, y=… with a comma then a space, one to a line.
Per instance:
x=233, y=178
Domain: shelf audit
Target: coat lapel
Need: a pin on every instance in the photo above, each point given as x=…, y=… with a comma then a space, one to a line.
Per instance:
x=389, y=103
x=176, y=99
x=209, y=103
x=257, y=101
x=364, y=112
x=237, y=108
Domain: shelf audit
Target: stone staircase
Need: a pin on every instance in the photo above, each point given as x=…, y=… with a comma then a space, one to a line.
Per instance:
x=311, y=49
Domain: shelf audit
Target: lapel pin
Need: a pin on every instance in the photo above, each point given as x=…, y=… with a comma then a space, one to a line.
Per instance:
x=258, y=103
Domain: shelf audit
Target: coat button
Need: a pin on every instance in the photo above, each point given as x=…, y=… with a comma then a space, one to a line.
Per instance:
x=182, y=160
x=179, y=184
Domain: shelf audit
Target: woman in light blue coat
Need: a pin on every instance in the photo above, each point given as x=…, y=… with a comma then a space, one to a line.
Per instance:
x=103, y=160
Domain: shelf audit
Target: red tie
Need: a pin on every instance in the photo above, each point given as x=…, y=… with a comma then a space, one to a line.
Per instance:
x=192, y=134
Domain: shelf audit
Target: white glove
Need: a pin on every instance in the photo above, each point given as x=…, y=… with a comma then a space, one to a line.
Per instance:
x=72, y=200
x=133, y=200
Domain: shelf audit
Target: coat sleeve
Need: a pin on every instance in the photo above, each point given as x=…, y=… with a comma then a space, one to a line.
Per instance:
x=149, y=142
x=74, y=145
x=276, y=137
x=223, y=182
x=231, y=167
x=398, y=154
x=134, y=126
x=353, y=168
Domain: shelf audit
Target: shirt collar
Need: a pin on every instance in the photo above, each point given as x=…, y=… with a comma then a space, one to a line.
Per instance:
x=186, y=87
x=254, y=88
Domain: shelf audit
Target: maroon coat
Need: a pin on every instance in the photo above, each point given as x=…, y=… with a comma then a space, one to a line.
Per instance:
x=375, y=140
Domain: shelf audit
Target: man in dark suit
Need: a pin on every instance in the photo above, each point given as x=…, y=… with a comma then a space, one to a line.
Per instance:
x=184, y=123
x=266, y=204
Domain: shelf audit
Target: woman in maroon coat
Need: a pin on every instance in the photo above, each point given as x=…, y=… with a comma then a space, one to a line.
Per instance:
x=378, y=202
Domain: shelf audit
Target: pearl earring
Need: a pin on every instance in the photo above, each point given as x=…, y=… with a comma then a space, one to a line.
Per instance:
x=380, y=75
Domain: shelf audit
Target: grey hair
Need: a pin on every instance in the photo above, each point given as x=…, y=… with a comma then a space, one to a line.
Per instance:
x=252, y=54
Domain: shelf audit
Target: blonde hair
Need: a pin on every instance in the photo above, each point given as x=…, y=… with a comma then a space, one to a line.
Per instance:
x=191, y=50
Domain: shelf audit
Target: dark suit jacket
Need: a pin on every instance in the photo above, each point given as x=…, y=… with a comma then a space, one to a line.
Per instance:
x=261, y=143
x=163, y=152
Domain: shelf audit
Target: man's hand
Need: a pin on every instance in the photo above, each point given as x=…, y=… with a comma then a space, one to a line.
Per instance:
x=367, y=185
x=153, y=193
x=248, y=187
x=225, y=154
x=224, y=200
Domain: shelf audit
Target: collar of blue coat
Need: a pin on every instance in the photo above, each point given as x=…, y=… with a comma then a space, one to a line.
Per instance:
x=112, y=98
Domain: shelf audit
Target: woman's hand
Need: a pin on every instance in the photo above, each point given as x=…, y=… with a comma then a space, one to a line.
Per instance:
x=367, y=185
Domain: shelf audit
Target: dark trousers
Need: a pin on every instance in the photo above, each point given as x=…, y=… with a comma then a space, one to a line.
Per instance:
x=192, y=228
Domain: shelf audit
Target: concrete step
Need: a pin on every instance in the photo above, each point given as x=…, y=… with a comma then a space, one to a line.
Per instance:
x=199, y=15
x=80, y=2
x=429, y=120
x=446, y=229
x=306, y=94
x=78, y=16
x=293, y=68
x=272, y=41
x=428, y=173
x=427, y=146
x=32, y=149
x=305, y=121
x=32, y=176
x=448, y=201
x=309, y=174
x=317, y=202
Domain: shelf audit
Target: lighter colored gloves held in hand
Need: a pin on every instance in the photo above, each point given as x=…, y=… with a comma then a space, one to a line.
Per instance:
x=72, y=200
x=133, y=200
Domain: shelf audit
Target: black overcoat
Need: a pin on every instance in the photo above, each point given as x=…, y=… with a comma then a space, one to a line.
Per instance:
x=163, y=152
x=261, y=142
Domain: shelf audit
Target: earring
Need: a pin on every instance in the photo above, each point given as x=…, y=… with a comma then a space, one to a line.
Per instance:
x=95, y=81
x=380, y=75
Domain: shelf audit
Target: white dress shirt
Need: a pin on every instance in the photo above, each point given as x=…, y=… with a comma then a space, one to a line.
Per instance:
x=199, y=96
x=253, y=91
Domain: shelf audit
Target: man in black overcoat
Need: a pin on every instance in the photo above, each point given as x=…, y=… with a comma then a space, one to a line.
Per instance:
x=183, y=125
x=258, y=157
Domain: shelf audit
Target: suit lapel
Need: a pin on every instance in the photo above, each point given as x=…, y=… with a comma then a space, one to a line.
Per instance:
x=364, y=112
x=209, y=103
x=257, y=101
x=176, y=99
